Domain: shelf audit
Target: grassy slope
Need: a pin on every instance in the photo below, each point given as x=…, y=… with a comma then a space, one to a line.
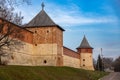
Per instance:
x=47, y=73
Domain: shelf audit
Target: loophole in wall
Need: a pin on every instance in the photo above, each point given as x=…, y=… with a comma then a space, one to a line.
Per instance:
x=45, y=61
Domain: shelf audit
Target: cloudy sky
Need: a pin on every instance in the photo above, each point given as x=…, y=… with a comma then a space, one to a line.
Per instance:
x=98, y=20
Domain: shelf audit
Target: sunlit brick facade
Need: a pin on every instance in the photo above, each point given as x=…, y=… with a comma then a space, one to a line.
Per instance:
x=43, y=45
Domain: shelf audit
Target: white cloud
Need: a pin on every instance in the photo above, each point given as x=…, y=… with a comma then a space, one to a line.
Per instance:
x=69, y=19
x=73, y=16
x=64, y=16
x=107, y=52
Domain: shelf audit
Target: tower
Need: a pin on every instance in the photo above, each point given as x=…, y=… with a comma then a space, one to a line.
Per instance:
x=85, y=51
x=47, y=40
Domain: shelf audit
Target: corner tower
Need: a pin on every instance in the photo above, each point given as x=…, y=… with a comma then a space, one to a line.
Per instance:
x=85, y=51
x=47, y=41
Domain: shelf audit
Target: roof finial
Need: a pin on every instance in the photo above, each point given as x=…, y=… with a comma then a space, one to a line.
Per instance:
x=42, y=5
x=84, y=35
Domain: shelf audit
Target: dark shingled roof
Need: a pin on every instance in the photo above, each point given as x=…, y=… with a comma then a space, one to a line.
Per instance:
x=42, y=20
x=84, y=43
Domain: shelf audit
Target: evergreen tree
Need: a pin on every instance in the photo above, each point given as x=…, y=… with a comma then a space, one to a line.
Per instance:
x=99, y=65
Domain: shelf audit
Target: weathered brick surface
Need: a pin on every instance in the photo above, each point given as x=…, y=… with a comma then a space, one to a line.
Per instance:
x=86, y=61
x=17, y=32
x=45, y=35
x=44, y=46
x=70, y=53
x=85, y=50
x=71, y=58
x=71, y=61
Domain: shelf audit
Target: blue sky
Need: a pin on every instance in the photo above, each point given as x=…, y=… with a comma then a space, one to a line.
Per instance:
x=99, y=20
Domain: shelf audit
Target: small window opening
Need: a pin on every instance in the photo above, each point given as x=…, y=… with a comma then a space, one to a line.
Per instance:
x=83, y=59
x=35, y=44
x=35, y=31
x=47, y=31
x=83, y=64
x=45, y=61
x=58, y=58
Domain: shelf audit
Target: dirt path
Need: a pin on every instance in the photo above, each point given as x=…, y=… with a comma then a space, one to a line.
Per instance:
x=112, y=76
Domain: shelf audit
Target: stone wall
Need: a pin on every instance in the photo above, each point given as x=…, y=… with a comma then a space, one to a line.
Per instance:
x=46, y=60
x=17, y=32
x=70, y=58
x=86, y=61
x=45, y=49
x=43, y=46
x=71, y=53
x=71, y=61
x=45, y=54
x=28, y=54
x=18, y=58
x=19, y=54
x=48, y=45
x=47, y=34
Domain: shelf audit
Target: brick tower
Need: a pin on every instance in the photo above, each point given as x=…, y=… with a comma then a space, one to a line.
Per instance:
x=47, y=40
x=85, y=51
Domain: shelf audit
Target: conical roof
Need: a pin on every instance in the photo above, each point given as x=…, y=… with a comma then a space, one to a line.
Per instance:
x=42, y=19
x=84, y=43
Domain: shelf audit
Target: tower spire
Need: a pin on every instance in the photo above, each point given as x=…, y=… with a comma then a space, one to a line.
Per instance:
x=84, y=43
x=42, y=5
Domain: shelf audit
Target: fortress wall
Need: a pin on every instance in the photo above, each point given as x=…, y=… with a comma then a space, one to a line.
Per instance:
x=59, y=55
x=17, y=31
x=86, y=61
x=48, y=42
x=71, y=53
x=48, y=60
x=48, y=53
x=71, y=58
x=45, y=49
x=18, y=58
x=45, y=54
x=49, y=34
x=19, y=54
x=71, y=61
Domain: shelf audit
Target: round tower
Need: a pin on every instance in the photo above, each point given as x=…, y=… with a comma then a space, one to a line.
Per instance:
x=85, y=51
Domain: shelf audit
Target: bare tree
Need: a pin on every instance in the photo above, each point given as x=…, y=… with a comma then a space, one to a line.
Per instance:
x=7, y=10
x=116, y=64
x=8, y=39
x=107, y=62
x=8, y=33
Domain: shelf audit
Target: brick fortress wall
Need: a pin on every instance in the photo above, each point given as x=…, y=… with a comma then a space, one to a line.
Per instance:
x=21, y=51
x=48, y=45
x=71, y=58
